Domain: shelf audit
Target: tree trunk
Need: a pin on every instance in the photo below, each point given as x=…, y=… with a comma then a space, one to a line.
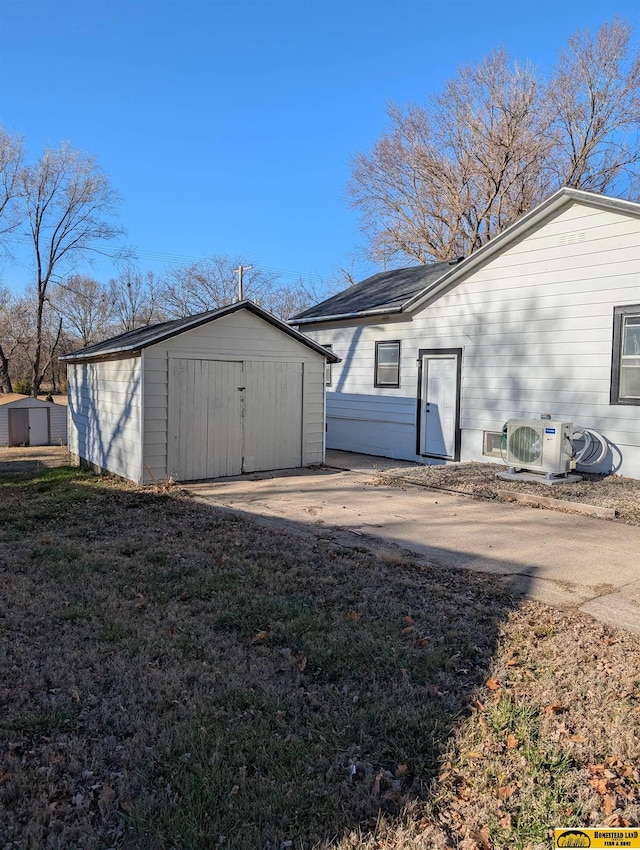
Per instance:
x=36, y=376
x=5, y=379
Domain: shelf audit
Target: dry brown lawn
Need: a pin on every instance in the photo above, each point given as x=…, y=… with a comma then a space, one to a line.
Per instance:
x=173, y=676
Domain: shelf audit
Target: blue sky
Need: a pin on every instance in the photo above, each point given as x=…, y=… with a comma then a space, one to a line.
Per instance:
x=228, y=128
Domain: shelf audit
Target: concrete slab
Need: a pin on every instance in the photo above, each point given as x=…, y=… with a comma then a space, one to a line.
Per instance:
x=355, y=462
x=563, y=560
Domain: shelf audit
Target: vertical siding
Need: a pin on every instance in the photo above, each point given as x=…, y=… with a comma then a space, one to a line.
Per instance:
x=58, y=424
x=104, y=417
x=535, y=326
x=239, y=336
x=4, y=425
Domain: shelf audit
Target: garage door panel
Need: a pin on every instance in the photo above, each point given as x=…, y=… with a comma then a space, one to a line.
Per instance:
x=224, y=414
x=204, y=418
x=273, y=415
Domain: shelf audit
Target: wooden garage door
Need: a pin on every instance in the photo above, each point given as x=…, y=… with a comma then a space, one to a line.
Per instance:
x=272, y=415
x=228, y=417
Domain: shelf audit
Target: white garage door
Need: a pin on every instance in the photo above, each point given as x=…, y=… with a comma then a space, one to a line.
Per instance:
x=228, y=417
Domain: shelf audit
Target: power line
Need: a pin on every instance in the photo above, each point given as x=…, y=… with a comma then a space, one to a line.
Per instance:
x=168, y=258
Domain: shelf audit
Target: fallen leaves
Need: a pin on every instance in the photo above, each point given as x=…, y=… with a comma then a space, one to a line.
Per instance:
x=615, y=782
x=354, y=616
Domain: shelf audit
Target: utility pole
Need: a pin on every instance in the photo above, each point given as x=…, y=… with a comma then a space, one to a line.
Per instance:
x=241, y=272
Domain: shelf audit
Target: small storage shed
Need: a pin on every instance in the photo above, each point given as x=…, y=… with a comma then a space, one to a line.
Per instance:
x=26, y=421
x=224, y=392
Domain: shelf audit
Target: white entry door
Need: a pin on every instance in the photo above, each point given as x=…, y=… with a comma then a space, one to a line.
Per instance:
x=439, y=405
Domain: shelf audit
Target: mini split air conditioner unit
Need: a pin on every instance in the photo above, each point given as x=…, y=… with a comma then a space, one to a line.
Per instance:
x=540, y=445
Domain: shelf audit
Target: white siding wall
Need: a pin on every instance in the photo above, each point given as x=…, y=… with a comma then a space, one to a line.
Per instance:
x=238, y=336
x=535, y=327
x=105, y=414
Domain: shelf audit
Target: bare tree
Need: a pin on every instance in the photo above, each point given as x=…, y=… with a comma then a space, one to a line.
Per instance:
x=69, y=203
x=85, y=306
x=133, y=296
x=16, y=337
x=449, y=176
x=5, y=378
x=594, y=98
x=11, y=163
x=212, y=283
x=287, y=300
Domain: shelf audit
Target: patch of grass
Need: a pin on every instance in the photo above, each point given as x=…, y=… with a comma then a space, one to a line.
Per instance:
x=73, y=614
x=48, y=721
x=114, y=633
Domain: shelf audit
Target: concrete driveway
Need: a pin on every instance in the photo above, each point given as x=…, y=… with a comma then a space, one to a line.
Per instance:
x=560, y=559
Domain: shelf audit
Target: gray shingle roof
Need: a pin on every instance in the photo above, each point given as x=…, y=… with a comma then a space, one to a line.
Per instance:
x=142, y=337
x=385, y=292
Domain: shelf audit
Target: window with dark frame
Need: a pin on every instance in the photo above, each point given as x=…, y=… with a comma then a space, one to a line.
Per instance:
x=387, y=365
x=328, y=371
x=625, y=365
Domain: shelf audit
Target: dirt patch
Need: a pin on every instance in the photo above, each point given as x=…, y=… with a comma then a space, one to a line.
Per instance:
x=27, y=461
x=480, y=480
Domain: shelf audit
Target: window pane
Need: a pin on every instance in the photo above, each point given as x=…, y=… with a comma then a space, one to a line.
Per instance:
x=387, y=374
x=630, y=379
x=388, y=354
x=388, y=364
x=631, y=337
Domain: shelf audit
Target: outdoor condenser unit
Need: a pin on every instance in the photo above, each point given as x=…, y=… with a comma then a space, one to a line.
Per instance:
x=540, y=445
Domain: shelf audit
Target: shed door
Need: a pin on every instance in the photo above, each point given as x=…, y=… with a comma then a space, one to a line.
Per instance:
x=228, y=417
x=19, y=426
x=205, y=415
x=38, y=426
x=272, y=415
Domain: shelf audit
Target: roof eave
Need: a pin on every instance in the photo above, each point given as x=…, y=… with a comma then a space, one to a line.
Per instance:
x=338, y=317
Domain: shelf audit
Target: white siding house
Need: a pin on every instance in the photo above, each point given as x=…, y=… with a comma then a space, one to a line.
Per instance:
x=543, y=320
x=229, y=391
x=26, y=421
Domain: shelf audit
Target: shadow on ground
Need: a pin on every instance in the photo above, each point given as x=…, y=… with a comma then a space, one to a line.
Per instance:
x=178, y=676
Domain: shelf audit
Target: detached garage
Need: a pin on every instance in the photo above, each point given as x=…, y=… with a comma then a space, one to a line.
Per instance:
x=225, y=392
x=26, y=421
